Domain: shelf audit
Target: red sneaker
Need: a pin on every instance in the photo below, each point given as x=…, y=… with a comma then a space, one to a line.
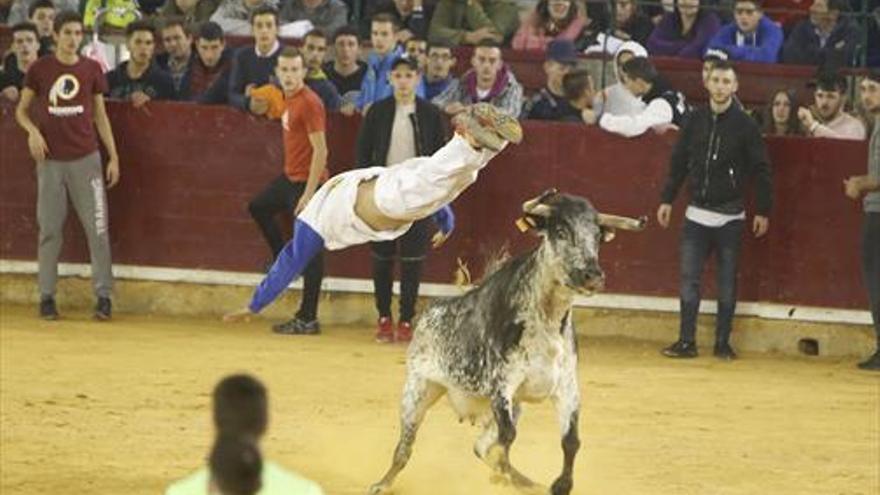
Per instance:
x=385, y=334
x=404, y=331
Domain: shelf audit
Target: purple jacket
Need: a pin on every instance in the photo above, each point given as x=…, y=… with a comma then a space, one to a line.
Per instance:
x=666, y=40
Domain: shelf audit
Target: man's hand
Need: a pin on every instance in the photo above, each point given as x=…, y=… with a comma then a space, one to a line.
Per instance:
x=301, y=204
x=851, y=188
x=474, y=37
x=139, y=99
x=619, y=33
x=259, y=105
x=404, y=35
x=112, y=172
x=366, y=108
x=37, y=146
x=806, y=118
x=244, y=315
x=664, y=214
x=348, y=109
x=760, y=225
x=438, y=239
x=455, y=108
x=588, y=116
x=11, y=93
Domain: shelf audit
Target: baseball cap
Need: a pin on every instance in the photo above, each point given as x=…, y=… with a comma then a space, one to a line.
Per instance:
x=562, y=51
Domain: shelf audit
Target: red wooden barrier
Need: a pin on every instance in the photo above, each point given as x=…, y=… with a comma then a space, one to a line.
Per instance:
x=188, y=172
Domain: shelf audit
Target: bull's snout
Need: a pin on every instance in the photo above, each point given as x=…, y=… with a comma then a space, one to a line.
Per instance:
x=589, y=279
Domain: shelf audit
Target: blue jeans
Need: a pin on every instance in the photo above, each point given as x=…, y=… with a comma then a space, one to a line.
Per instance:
x=697, y=243
x=871, y=266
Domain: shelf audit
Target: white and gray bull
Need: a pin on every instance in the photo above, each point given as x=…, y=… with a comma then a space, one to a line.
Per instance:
x=511, y=340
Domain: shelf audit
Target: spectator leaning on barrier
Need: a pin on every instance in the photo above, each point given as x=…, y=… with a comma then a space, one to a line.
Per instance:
x=869, y=186
x=397, y=129
x=438, y=75
x=685, y=32
x=616, y=99
x=241, y=411
x=664, y=105
x=209, y=72
x=489, y=81
x=411, y=15
x=305, y=167
x=326, y=15
x=192, y=11
x=826, y=39
x=578, y=88
x=779, y=117
x=551, y=20
x=826, y=117
x=178, y=56
x=42, y=14
x=547, y=103
x=719, y=150
x=631, y=23
x=752, y=37
x=25, y=46
x=469, y=22
x=67, y=91
x=346, y=71
x=314, y=51
x=139, y=79
x=375, y=85
x=236, y=16
x=253, y=66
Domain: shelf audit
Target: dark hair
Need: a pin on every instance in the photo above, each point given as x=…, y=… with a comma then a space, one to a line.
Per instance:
x=170, y=22
x=265, y=10
x=792, y=125
x=417, y=38
x=140, y=25
x=26, y=26
x=487, y=43
x=347, y=31
x=66, y=17
x=40, y=4
x=722, y=65
x=831, y=81
x=240, y=402
x=839, y=5
x=316, y=33
x=640, y=68
x=575, y=82
x=439, y=44
x=759, y=4
x=236, y=466
x=543, y=11
x=385, y=17
x=211, y=31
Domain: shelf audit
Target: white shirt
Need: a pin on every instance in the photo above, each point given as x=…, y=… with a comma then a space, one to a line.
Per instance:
x=708, y=218
x=403, y=140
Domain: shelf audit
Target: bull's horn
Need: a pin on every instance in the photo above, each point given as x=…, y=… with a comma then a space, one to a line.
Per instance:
x=622, y=223
x=535, y=206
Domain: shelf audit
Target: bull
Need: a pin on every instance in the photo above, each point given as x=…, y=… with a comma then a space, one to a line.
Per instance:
x=511, y=340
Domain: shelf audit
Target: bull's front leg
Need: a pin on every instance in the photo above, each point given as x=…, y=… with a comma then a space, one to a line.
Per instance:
x=505, y=414
x=567, y=402
x=419, y=395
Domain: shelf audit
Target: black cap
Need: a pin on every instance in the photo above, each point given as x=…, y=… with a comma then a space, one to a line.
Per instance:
x=562, y=51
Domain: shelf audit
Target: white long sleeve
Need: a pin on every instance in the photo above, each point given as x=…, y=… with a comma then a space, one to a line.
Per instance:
x=656, y=113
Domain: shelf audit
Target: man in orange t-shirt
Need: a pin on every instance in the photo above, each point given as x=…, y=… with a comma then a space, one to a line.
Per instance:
x=305, y=168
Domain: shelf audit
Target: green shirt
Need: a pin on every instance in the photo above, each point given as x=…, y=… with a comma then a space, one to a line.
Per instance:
x=276, y=481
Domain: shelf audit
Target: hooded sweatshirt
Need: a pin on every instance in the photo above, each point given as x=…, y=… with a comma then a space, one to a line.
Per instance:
x=618, y=100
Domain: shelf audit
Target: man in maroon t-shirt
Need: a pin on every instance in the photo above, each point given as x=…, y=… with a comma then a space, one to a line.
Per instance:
x=67, y=91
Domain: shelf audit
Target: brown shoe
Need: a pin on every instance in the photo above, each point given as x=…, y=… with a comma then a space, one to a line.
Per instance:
x=488, y=126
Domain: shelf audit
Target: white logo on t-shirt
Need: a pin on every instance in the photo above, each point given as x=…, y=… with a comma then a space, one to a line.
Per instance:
x=66, y=87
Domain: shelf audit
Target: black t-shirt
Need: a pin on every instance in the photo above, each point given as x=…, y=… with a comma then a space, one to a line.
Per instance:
x=547, y=106
x=155, y=83
x=11, y=75
x=349, y=85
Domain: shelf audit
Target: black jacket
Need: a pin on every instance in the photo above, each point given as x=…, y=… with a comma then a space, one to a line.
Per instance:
x=720, y=154
x=803, y=46
x=374, y=136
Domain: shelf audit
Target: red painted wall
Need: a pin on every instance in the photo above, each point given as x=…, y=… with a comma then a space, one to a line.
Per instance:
x=188, y=172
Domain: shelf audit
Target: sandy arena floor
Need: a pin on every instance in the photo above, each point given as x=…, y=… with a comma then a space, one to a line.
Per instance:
x=123, y=408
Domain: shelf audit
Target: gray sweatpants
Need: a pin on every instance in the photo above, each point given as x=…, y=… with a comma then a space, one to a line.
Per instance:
x=82, y=180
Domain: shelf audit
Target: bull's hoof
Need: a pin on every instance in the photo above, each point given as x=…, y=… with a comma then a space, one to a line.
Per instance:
x=379, y=489
x=562, y=486
x=495, y=458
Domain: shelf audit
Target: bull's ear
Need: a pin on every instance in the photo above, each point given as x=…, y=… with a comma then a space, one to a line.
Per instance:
x=532, y=223
x=608, y=234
